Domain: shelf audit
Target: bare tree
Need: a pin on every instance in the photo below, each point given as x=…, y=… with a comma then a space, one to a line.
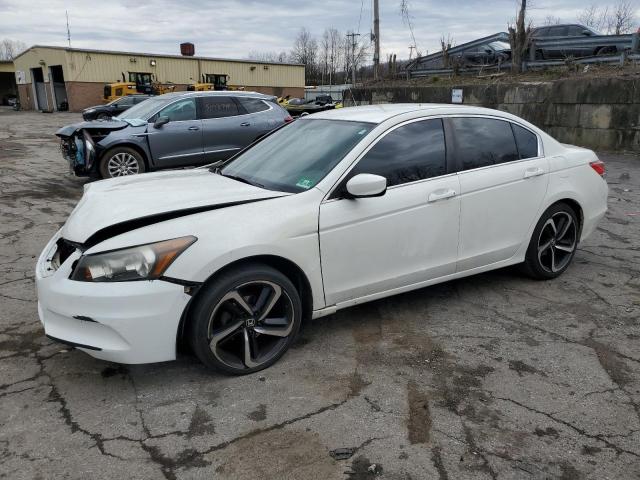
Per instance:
x=305, y=51
x=621, y=19
x=335, y=39
x=614, y=20
x=9, y=49
x=519, y=38
x=445, y=45
x=551, y=20
x=353, y=55
x=273, y=57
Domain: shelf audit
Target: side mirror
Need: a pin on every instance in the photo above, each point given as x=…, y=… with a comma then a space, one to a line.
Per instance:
x=160, y=121
x=587, y=33
x=366, y=185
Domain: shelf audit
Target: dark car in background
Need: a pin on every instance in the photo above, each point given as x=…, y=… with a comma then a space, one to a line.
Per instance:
x=173, y=130
x=560, y=50
x=114, y=108
x=490, y=53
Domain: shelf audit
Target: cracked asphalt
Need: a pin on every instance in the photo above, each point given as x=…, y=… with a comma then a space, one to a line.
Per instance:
x=494, y=376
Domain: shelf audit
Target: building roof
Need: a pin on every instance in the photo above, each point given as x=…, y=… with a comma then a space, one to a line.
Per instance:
x=156, y=55
x=6, y=66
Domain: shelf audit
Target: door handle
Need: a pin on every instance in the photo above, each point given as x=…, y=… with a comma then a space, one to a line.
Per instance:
x=245, y=124
x=441, y=194
x=533, y=172
x=193, y=129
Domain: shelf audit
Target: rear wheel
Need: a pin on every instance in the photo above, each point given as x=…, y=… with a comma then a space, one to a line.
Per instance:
x=103, y=116
x=121, y=161
x=553, y=243
x=606, y=51
x=246, y=320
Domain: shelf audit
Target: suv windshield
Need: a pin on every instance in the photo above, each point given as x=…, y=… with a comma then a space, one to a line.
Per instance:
x=143, y=110
x=296, y=157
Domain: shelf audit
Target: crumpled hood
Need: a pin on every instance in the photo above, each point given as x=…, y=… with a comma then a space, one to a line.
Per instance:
x=111, y=207
x=69, y=130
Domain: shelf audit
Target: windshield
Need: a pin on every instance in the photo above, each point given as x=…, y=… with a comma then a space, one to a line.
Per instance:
x=500, y=45
x=296, y=157
x=144, y=109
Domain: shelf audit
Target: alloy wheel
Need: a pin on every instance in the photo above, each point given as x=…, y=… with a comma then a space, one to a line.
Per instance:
x=557, y=242
x=250, y=324
x=121, y=164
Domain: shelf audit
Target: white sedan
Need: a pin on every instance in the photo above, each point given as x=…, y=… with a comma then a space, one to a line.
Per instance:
x=336, y=209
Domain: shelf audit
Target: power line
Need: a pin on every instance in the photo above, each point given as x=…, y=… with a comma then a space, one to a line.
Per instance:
x=360, y=18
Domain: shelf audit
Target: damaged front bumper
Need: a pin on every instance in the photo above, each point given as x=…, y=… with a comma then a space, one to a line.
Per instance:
x=78, y=143
x=80, y=151
x=123, y=322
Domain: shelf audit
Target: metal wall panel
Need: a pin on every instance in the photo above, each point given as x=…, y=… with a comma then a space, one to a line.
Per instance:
x=32, y=58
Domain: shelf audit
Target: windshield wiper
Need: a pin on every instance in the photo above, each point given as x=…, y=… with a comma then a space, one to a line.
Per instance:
x=243, y=180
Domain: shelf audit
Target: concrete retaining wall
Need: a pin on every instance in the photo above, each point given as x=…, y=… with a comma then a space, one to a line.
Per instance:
x=599, y=113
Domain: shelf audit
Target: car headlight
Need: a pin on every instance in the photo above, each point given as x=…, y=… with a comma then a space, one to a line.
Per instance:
x=144, y=262
x=90, y=110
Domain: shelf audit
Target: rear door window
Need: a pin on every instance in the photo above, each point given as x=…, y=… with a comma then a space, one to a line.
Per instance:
x=253, y=105
x=409, y=153
x=526, y=140
x=483, y=141
x=217, y=107
x=559, y=31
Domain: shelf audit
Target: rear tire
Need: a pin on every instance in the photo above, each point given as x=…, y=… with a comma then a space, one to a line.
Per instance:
x=121, y=161
x=602, y=51
x=103, y=116
x=245, y=320
x=553, y=243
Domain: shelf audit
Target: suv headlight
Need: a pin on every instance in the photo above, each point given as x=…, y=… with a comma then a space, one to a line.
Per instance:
x=144, y=262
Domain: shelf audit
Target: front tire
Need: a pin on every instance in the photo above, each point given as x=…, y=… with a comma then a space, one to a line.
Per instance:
x=245, y=320
x=121, y=161
x=553, y=243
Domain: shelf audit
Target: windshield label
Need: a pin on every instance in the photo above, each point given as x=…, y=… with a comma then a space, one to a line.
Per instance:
x=305, y=183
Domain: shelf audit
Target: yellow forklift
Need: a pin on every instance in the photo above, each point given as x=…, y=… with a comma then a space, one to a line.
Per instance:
x=113, y=91
x=139, y=82
x=212, y=82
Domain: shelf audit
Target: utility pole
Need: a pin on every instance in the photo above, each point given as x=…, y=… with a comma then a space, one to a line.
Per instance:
x=66, y=12
x=411, y=48
x=376, y=37
x=353, y=36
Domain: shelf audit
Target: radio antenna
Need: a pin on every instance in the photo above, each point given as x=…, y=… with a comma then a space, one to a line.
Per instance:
x=68, y=31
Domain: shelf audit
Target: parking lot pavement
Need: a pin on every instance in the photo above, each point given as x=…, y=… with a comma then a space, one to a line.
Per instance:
x=493, y=376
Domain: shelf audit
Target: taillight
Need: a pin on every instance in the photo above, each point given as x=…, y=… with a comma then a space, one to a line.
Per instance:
x=598, y=166
x=288, y=119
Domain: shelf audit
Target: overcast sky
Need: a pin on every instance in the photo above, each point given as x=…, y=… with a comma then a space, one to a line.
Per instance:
x=233, y=28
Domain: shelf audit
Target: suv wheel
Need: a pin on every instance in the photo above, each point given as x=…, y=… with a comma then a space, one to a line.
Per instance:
x=553, y=243
x=121, y=161
x=245, y=320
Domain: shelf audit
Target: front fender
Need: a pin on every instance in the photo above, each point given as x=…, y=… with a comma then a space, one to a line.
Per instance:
x=285, y=227
x=126, y=138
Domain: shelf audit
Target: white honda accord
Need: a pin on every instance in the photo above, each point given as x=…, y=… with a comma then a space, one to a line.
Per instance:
x=336, y=209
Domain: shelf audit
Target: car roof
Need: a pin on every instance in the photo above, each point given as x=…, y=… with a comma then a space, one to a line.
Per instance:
x=380, y=113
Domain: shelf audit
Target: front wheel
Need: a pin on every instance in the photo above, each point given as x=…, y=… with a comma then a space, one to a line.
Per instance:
x=553, y=243
x=245, y=320
x=121, y=161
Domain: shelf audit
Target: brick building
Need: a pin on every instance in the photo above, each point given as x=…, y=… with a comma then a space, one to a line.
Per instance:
x=48, y=76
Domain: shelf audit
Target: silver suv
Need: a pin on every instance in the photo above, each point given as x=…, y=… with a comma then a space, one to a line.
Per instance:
x=172, y=130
